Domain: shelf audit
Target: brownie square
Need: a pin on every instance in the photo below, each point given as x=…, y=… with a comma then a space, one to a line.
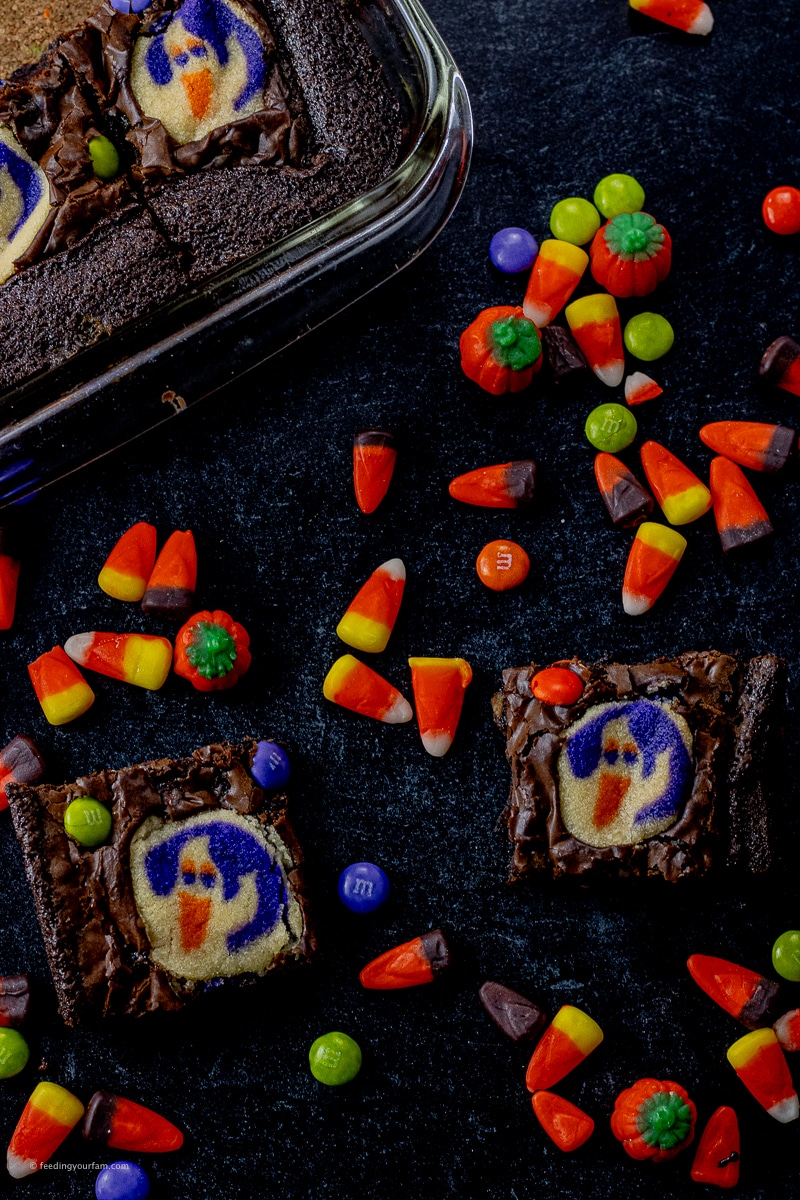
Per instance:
x=199, y=883
x=659, y=768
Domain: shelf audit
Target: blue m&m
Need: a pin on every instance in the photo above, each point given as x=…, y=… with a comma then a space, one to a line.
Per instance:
x=513, y=250
x=363, y=887
x=129, y=6
x=122, y=1180
x=270, y=767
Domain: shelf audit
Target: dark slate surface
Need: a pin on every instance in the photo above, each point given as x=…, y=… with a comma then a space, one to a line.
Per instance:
x=564, y=91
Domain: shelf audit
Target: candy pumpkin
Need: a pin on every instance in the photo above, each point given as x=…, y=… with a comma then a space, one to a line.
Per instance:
x=654, y=1120
x=631, y=254
x=212, y=651
x=501, y=350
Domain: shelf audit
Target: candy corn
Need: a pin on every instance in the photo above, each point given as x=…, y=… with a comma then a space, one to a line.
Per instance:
x=741, y=517
x=680, y=493
x=758, y=1060
x=594, y=321
x=137, y=658
x=655, y=553
x=562, y=354
x=787, y=1030
x=9, y=574
x=556, y=273
x=717, y=1158
x=409, y=965
x=20, y=762
x=514, y=1015
x=370, y=618
x=640, y=387
x=564, y=1123
x=690, y=16
x=569, y=1039
x=60, y=688
x=780, y=365
x=51, y=1113
x=439, y=685
x=123, y=1125
x=627, y=501
x=170, y=588
x=747, y=996
x=353, y=685
x=374, y=457
x=752, y=444
x=507, y=485
x=15, y=998
x=130, y=564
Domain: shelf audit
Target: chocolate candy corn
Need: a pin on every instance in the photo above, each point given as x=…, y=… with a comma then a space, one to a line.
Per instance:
x=564, y=1123
x=368, y=623
x=787, y=1030
x=741, y=517
x=353, y=685
x=594, y=321
x=170, y=588
x=15, y=1000
x=717, y=1157
x=747, y=996
x=507, y=485
x=514, y=1015
x=752, y=444
x=9, y=574
x=759, y=1062
x=137, y=658
x=409, y=965
x=130, y=564
x=60, y=688
x=20, y=762
x=640, y=387
x=439, y=685
x=123, y=1125
x=654, y=555
x=51, y=1113
x=555, y=275
x=562, y=353
x=374, y=457
x=627, y=501
x=690, y=16
x=680, y=493
x=780, y=365
x=569, y=1039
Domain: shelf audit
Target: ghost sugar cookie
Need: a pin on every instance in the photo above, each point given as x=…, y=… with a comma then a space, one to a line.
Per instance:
x=24, y=201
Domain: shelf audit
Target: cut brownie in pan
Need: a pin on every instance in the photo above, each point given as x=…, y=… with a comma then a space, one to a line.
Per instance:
x=199, y=883
x=658, y=768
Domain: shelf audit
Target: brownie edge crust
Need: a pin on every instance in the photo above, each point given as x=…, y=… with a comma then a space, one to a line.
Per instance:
x=223, y=873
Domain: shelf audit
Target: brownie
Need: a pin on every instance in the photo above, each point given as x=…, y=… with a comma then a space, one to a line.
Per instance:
x=659, y=768
x=199, y=883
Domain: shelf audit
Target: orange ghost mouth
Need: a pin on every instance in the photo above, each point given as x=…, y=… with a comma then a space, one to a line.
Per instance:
x=199, y=88
x=195, y=913
x=610, y=794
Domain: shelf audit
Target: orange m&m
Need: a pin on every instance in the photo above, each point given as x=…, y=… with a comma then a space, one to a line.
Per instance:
x=502, y=565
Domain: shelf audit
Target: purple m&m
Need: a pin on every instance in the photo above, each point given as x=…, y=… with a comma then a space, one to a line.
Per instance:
x=270, y=767
x=513, y=250
x=129, y=6
x=363, y=887
x=122, y=1180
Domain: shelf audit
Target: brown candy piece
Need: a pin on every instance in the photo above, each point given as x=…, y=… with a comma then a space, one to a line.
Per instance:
x=15, y=1000
x=562, y=353
x=514, y=1015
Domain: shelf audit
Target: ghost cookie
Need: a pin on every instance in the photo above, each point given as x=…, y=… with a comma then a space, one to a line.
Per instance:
x=24, y=201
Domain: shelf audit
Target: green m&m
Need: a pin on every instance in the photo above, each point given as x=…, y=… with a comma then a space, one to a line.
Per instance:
x=648, y=336
x=610, y=427
x=87, y=821
x=617, y=194
x=104, y=156
x=14, y=1053
x=334, y=1058
x=786, y=955
x=574, y=220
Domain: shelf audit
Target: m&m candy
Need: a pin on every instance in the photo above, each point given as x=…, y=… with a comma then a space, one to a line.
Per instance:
x=617, y=194
x=513, y=250
x=781, y=210
x=574, y=220
x=87, y=821
x=610, y=427
x=363, y=887
x=122, y=1180
x=14, y=1053
x=334, y=1059
x=786, y=955
x=502, y=565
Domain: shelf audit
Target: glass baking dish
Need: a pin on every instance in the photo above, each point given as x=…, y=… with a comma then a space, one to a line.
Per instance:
x=155, y=368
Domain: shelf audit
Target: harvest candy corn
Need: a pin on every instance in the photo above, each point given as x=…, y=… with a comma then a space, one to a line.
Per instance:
x=170, y=588
x=640, y=387
x=594, y=321
x=137, y=658
x=654, y=555
x=507, y=485
x=741, y=517
x=680, y=493
x=514, y=1015
x=9, y=574
x=130, y=564
x=690, y=16
x=758, y=1060
x=374, y=457
x=752, y=444
x=654, y=1120
x=569, y=1039
x=439, y=685
x=123, y=1125
x=564, y=1123
x=501, y=350
x=747, y=996
x=555, y=275
x=717, y=1158
x=353, y=685
x=20, y=762
x=787, y=1030
x=51, y=1113
x=627, y=501
x=60, y=688
x=408, y=965
x=368, y=623
x=781, y=365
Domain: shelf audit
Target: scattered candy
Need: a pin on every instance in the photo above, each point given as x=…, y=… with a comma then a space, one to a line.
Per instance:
x=740, y=516
x=630, y=256
x=574, y=220
x=501, y=350
x=123, y=1125
x=50, y=1114
x=556, y=273
x=557, y=686
x=105, y=158
x=513, y=250
x=717, y=1158
x=439, y=685
x=212, y=651
x=787, y=1030
x=122, y=1180
x=786, y=955
x=502, y=565
x=569, y=1039
x=270, y=767
x=87, y=821
x=690, y=16
x=752, y=444
x=353, y=685
x=683, y=498
x=334, y=1059
x=610, y=427
x=507, y=485
x=9, y=574
x=409, y=965
x=130, y=564
x=137, y=658
x=781, y=210
x=617, y=194
x=564, y=1123
x=374, y=458
x=654, y=555
x=60, y=688
x=514, y=1015
x=15, y=1000
x=747, y=996
x=628, y=501
x=562, y=353
x=648, y=336
x=759, y=1062
x=780, y=365
x=363, y=887
x=640, y=387
x=171, y=584
x=368, y=623
x=14, y=1053
x=20, y=762
x=594, y=321
x=653, y=1120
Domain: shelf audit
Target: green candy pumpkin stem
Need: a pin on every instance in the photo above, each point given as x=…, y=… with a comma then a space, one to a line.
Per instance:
x=212, y=652
x=664, y=1120
x=514, y=342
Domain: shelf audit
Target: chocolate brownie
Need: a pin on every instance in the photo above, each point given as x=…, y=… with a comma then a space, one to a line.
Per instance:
x=659, y=768
x=199, y=883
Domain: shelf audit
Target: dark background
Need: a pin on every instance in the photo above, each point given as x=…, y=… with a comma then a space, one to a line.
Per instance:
x=564, y=92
